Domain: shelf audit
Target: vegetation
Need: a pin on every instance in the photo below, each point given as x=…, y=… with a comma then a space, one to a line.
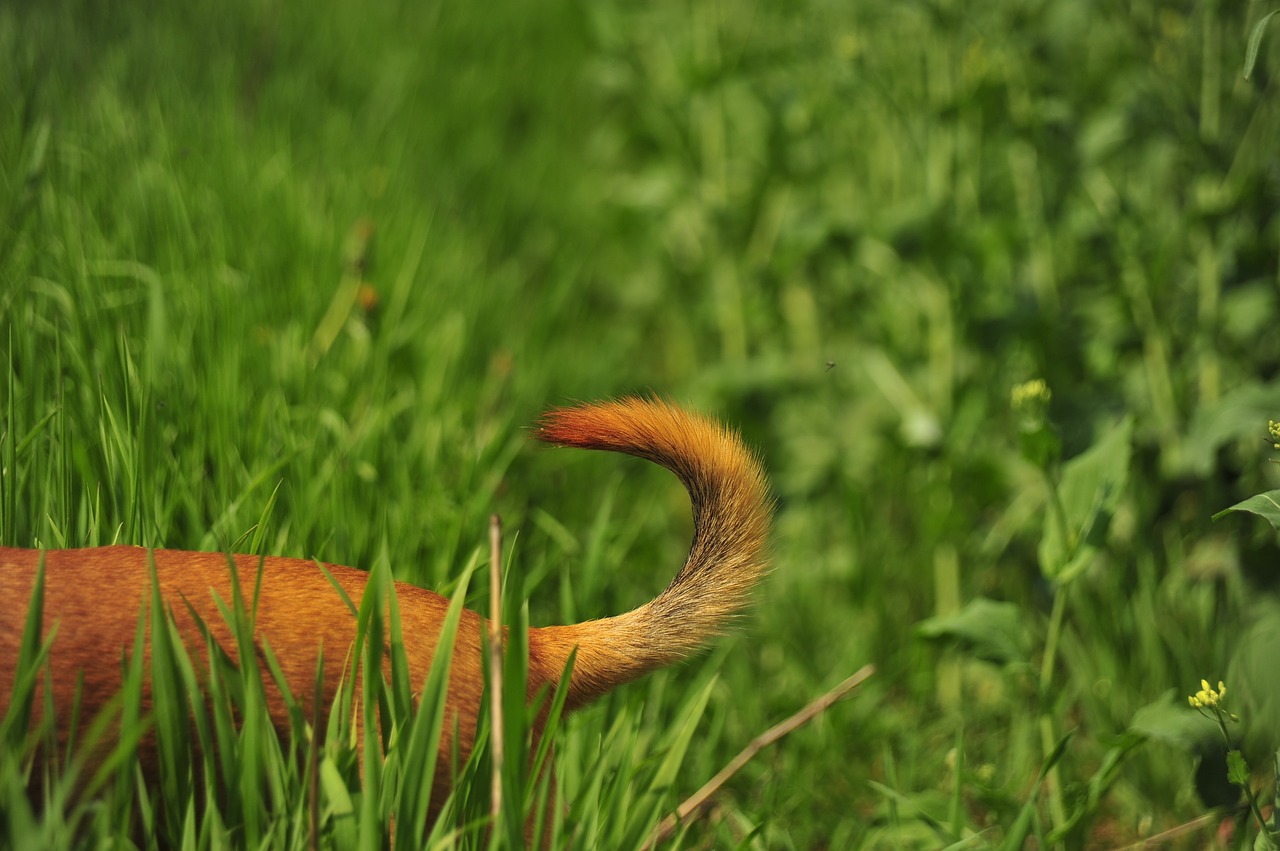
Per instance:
x=294, y=278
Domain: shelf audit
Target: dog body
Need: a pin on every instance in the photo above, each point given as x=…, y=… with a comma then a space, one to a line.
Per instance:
x=94, y=597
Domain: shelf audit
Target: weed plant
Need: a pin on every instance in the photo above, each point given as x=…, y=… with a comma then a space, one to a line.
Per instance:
x=292, y=279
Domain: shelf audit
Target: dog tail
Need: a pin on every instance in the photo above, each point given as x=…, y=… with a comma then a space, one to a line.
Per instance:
x=731, y=514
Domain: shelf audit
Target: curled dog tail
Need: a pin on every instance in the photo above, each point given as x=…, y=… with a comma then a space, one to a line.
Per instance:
x=731, y=513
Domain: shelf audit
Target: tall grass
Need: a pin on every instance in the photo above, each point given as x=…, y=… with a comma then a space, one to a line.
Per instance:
x=292, y=280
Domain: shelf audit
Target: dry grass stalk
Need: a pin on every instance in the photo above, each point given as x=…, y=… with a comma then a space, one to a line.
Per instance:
x=495, y=657
x=698, y=801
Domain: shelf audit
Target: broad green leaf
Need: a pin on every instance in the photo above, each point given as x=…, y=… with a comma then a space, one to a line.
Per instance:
x=1089, y=491
x=988, y=629
x=1168, y=720
x=1265, y=505
x=1237, y=769
x=1239, y=415
x=1254, y=689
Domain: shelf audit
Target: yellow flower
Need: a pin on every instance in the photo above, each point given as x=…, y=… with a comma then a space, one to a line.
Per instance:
x=1208, y=697
x=1036, y=392
x=1273, y=429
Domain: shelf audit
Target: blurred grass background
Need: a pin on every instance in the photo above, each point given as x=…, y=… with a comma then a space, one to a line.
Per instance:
x=297, y=277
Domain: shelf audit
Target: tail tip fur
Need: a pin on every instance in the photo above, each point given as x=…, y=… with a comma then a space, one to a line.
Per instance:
x=598, y=425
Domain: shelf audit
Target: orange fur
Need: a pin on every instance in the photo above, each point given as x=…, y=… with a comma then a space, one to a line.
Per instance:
x=95, y=596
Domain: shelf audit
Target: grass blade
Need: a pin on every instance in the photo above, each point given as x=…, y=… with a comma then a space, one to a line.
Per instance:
x=1255, y=42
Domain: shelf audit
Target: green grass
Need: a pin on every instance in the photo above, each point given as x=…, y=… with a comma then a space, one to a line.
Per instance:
x=849, y=230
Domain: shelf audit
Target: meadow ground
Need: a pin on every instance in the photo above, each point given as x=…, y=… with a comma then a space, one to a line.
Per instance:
x=295, y=278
